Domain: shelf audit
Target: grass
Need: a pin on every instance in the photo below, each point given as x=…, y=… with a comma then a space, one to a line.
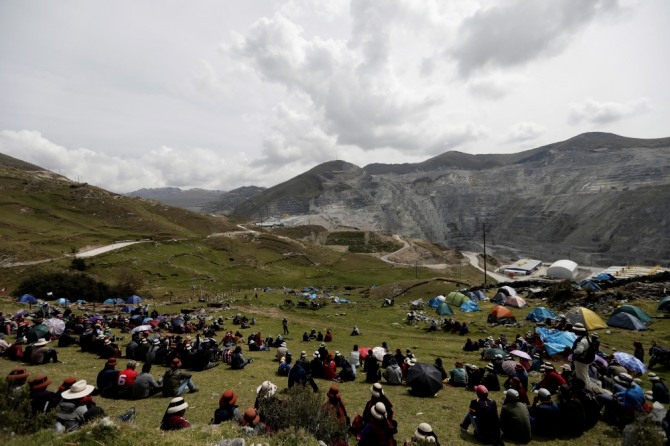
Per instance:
x=443, y=412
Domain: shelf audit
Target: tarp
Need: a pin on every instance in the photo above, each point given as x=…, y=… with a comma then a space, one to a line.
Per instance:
x=27, y=299
x=633, y=310
x=456, y=299
x=540, y=314
x=555, y=341
x=589, y=285
x=500, y=315
x=469, y=307
x=603, y=277
x=664, y=304
x=424, y=379
x=443, y=309
x=134, y=300
x=627, y=321
x=587, y=317
x=516, y=302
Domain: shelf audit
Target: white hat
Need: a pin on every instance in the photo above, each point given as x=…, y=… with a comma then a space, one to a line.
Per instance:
x=566, y=367
x=376, y=390
x=268, y=388
x=544, y=393
x=316, y=354
x=512, y=393
x=653, y=377
x=78, y=390
x=40, y=342
x=283, y=344
x=424, y=433
x=177, y=405
x=579, y=328
x=624, y=378
x=378, y=411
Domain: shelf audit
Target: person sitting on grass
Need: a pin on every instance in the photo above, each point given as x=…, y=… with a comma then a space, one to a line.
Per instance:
x=227, y=410
x=483, y=415
x=145, y=385
x=176, y=382
x=458, y=377
x=238, y=362
x=174, y=415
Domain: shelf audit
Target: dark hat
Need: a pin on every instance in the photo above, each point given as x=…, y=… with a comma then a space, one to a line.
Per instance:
x=333, y=392
x=228, y=398
x=251, y=417
x=40, y=382
x=18, y=374
x=111, y=362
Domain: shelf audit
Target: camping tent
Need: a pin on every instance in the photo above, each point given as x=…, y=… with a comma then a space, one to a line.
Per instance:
x=604, y=277
x=27, y=299
x=499, y=298
x=435, y=301
x=500, y=315
x=109, y=301
x=63, y=301
x=416, y=304
x=633, y=310
x=587, y=317
x=479, y=295
x=516, y=302
x=664, y=304
x=443, y=309
x=456, y=299
x=508, y=290
x=627, y=321
x=469, y=307
x=134, y=300
x=589, y=286
x=540, y=314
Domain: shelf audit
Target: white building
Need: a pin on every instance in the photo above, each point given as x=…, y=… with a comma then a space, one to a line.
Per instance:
x=562, y=269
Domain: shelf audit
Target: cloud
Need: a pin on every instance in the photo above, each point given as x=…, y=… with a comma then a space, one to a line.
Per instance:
x=594, y=112
x=515, y=32
x=523, y=131
x=493, y=87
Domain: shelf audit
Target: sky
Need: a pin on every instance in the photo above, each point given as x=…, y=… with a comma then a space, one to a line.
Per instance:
x=220, y=94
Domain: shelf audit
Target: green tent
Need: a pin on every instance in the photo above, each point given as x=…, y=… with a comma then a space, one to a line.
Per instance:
x=633, y=311
x=456, y=299
x=664, y=305
x=443, y=309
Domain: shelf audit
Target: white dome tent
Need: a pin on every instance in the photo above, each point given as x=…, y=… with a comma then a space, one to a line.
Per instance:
x=562, y=269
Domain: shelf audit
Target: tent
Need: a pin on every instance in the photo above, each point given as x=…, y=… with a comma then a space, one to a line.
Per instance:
x=540, y=314
x=424, y=379
x=587, y=317
x=626, y=321
x=516, y=302
x=416, y=304
x=479, y=295
x=456, y=298
x=664, y=304
x=507, y=290
x=501, y=315
x=443, y=309
x=127, y=309
x=633, y=310
x=109, y=301
x=435, y=302
x=469, y=307
x=134, y=300
x=27, y=299
x=63, y=301
x=556, y=341
x=499, y=298
x=604, y=277
x=589, y=286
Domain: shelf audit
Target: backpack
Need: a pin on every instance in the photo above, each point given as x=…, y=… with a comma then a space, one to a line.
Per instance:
x=589, y=355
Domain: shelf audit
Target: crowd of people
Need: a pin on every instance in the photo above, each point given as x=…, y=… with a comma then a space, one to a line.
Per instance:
x=541, y=399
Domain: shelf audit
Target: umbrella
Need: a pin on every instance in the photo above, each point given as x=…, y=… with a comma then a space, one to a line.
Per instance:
x=56, y=326
x=95, y=318
x=491, y=353
x=520, y=354
x=379, y=352
x=134, y=300
x=141, y=328
x=37, y=331
x=424, y=379
x=630, y=362
x=509, y=366
x=178, y=321
x=147, y=320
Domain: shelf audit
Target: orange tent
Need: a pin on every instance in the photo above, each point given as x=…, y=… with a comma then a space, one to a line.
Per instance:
x=501, y=315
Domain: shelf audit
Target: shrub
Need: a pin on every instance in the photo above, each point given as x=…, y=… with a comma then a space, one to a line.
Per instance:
x=643, y=432
x=16, y=414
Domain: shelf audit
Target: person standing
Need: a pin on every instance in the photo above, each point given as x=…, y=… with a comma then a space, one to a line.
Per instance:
x=580, y=357
x=284, y=324
x=355, y=359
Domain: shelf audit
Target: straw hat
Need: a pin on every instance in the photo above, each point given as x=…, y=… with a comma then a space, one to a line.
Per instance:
x=228, y=398
x=624, y=379
x=653, y=377
x=544, y=393
x=579, y=328
x=378, y=411
x=267, y=388
x=78, y=390
x=376, y=390
x=177, y=405
x=40, y=342
x=424, y=433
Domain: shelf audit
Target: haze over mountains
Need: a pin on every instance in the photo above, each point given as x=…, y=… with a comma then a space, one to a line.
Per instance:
x=597, y=198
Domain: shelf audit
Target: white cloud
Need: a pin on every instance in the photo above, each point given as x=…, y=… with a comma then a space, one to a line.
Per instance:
x=515, y=32
x=523, y=131
x=594, y=112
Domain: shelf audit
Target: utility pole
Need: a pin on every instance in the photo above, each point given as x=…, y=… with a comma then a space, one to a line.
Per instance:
x=484, y=230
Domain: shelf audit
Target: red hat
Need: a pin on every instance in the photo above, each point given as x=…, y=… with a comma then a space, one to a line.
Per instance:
x=229, y=398
x=176, y=363
x=40, y=382
x=67, y=383
x=17, y=374
x=333, y=392
x=251, y=417
x=481, y=390
x=111, y=362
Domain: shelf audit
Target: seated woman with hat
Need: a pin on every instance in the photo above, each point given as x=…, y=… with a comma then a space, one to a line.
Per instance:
x=41, y=399
x=174, y=415
x=252, y=424
x=77, y=406
x=227, y=410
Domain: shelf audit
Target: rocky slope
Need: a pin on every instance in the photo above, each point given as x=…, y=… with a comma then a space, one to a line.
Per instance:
x=597, y=198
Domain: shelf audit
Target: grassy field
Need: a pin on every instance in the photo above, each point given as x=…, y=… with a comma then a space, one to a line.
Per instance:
x=443, y=411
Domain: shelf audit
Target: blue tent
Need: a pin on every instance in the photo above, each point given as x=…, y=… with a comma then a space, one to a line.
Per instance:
x=635, y=311
x=435, y=302
x=555, y=341
x=127, y=309
x=540, y=314
x=134, y=300
x=63, y=301
x=27, y=299
x=120, y=301
x=109, y=301
x=81, y=301
x=589, y=285
x=627, y=321
x=469, y=307
x=604, y=277
x=443, y=309
x=479, y=295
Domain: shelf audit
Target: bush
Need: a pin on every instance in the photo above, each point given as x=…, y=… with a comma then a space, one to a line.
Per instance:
x=302, y=411
x=643, y=432
x=16, y=414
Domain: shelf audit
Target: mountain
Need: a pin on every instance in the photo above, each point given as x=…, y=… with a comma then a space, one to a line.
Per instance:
x=191, y=199
x=597, y=198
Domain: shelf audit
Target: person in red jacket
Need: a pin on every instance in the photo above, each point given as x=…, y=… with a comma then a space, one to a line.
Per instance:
x=550, y=380
x=126, y=379
x=330, y=368
x=379, y=431
x=174, y=415
x=336, y=406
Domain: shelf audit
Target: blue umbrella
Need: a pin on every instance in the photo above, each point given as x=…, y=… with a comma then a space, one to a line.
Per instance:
x=134, y=300
x=630, y=362
x=27, y=299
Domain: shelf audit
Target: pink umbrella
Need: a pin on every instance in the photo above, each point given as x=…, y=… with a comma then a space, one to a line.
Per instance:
x=520, y=354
